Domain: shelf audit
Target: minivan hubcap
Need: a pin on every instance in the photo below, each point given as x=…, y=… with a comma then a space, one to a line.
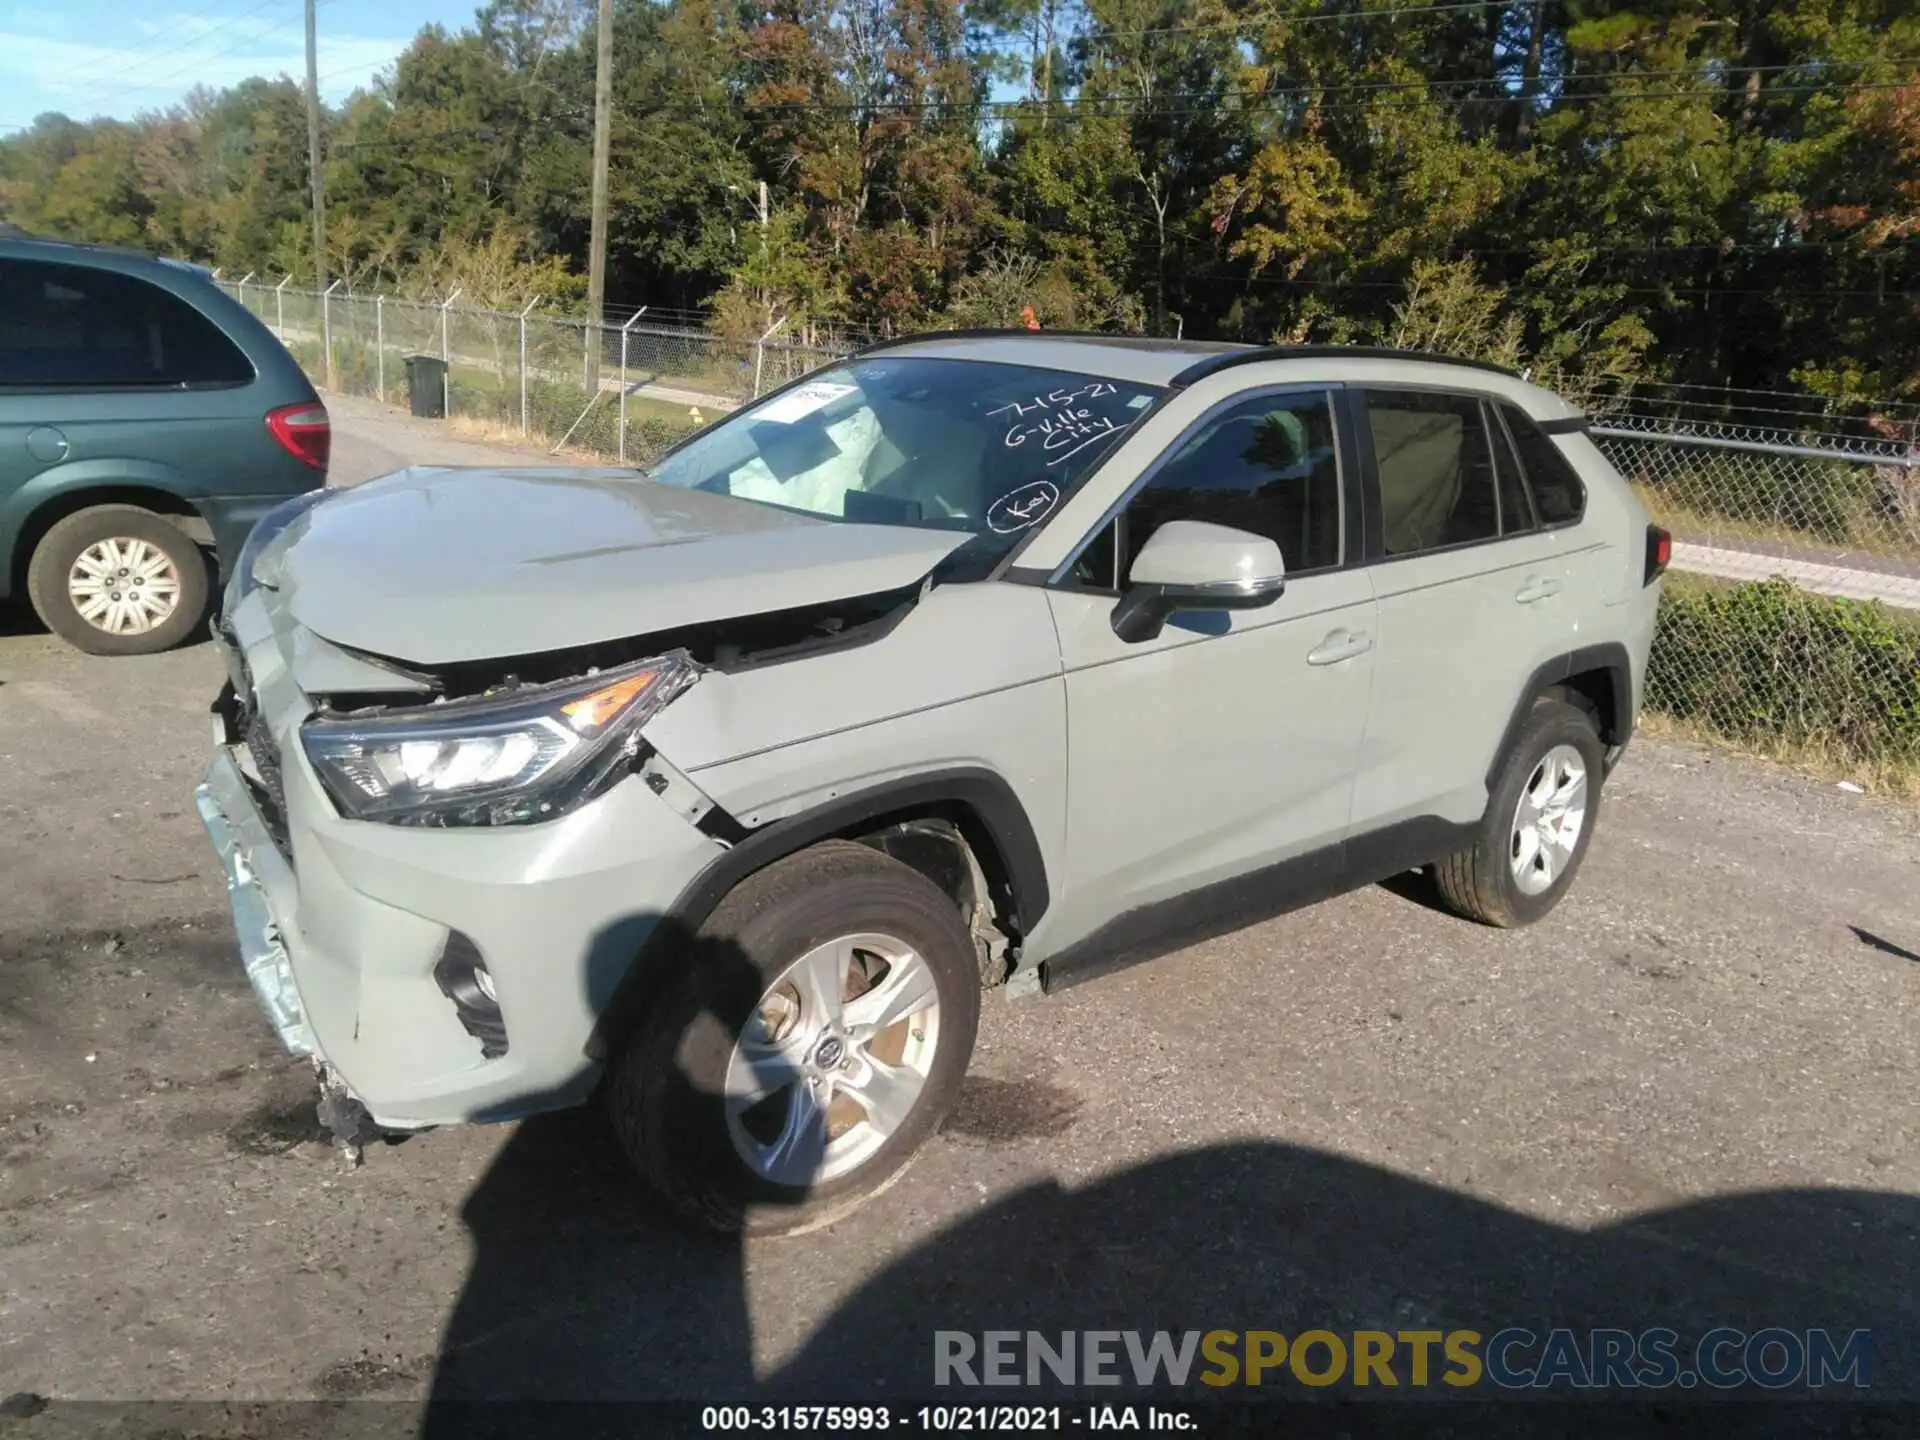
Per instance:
x=1548, y=819
x=833, y=1059
x=124, y=586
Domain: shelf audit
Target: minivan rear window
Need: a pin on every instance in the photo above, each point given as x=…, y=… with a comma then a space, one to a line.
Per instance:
x=72, y=327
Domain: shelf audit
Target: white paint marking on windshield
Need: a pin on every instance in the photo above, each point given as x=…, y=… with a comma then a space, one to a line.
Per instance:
x=803, y=400
x=1022, y=507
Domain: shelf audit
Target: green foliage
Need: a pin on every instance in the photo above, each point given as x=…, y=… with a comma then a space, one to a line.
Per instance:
x=1710, y=193
x=1771, y=665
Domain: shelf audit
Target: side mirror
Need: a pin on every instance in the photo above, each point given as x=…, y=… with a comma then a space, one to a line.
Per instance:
x=1192, y=565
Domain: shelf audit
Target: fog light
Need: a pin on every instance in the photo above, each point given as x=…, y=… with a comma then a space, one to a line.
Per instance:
x=463, y=978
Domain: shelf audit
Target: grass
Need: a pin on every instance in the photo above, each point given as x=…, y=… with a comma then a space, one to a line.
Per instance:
x=1883, y=539
x=1826, y=685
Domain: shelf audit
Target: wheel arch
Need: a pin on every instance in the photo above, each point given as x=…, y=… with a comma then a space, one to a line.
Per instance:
x=50, y=509
x=979, y=805
x=1600, y=676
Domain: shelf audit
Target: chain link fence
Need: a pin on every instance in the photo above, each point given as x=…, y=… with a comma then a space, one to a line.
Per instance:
x=1791, y=621
x=1791, y=624
x=622, y=392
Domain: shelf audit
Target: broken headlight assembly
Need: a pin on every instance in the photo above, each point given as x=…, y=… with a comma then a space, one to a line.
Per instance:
x=507, y=758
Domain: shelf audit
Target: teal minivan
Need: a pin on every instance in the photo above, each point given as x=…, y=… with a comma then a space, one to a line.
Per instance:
x=146, y=421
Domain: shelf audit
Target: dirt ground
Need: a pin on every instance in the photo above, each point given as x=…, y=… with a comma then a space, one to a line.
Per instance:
x=1685, y=1099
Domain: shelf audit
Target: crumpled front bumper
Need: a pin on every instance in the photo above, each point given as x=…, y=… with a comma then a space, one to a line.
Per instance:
x=241, y=841
x=343, y=923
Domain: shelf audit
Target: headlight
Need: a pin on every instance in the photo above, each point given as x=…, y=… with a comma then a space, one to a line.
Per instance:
x=241, y=579
x=532, y=754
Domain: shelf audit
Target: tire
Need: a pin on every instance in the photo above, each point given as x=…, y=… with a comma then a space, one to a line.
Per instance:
x=665, y=1092
x=1484, y=882
x=136, y=532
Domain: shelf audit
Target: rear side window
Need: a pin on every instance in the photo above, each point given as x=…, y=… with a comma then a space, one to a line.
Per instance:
x=1435, y=463
x=1558, y=495
x=69, y=326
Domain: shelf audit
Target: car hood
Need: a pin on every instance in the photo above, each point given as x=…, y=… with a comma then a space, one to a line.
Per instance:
x=440, y=565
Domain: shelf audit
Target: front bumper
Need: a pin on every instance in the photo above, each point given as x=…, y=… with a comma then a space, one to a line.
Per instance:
x=342, y=924
x=242, y=842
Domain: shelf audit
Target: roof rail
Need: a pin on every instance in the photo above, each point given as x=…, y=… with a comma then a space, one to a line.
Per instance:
x=1214, y=364
x=1009, y=332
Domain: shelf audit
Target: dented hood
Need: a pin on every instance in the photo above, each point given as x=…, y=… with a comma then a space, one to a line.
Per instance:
x=437, y=566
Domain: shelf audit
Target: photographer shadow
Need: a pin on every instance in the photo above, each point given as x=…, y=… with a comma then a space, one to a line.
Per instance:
x=578, y=1290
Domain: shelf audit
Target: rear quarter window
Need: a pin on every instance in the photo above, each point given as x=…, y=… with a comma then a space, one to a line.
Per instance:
x=72, y=327
x=1559, y=495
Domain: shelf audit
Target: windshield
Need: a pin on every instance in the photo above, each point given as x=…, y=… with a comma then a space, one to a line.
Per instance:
x=908, y=440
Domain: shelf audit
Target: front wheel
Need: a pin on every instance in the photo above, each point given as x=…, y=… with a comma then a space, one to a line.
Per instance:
x=813, y=1042
x=118, y=580
x=1538, y=822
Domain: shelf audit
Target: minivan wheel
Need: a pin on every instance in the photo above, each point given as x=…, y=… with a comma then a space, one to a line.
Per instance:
x=118, y=580
x=812, y=1042
x=1538, y=822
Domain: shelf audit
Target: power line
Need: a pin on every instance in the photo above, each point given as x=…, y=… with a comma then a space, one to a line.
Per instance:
x=127, y=76
x=1122, y=106
x=1323, y=17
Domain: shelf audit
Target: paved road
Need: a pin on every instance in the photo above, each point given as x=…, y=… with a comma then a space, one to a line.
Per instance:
x=1685, y=1098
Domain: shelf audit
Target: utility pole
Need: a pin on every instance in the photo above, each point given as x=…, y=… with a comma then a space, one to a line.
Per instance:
x=597, y=240
x=314, y=172
x=766, y=280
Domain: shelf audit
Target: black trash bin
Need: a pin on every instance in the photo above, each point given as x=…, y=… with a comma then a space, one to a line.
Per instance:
x=427, y=386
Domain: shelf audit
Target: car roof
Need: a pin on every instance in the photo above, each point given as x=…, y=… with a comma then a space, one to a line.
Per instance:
x=1149, y=360
x=20, y=245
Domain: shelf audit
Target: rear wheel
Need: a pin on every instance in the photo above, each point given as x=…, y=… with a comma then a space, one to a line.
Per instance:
x=1538, y=822
x=820, y=1029
x=118, y=580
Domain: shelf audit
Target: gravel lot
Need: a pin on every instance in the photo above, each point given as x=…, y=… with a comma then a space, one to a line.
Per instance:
x=1685, y=1099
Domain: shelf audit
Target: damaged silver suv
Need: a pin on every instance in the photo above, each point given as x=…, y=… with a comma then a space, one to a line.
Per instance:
x=723, y=789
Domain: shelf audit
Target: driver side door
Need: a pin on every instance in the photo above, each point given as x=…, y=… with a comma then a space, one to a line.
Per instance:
x=1227, y=744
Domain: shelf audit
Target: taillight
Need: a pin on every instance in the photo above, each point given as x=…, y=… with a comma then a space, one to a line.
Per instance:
x=1659, y=552
x=304, y=431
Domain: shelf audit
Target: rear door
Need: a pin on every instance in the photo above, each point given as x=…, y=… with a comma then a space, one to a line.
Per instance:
x=1471, y=592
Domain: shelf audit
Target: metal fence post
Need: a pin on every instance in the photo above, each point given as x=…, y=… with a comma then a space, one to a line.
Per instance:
x=531, y=306
x=280, y=310
x=760, y=353
x=326, y=330
x=380, y=346
x=243, y=287
x=446, y=358
x=623, y=379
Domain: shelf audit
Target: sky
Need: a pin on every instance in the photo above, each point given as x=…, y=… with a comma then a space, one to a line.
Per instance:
x=119, y=57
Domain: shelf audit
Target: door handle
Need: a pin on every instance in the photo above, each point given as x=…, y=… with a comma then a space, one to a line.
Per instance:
x=1538, y=587
x=1340, y=645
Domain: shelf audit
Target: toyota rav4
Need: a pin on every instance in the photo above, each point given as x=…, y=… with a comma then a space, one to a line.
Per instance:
x=724, y=788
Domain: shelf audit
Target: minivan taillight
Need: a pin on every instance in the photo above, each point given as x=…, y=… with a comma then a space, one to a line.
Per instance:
x=304, y=431
x=1659, y=552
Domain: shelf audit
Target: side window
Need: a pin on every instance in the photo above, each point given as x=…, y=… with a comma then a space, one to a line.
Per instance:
x=1267, y=465
x=1516, y=507
x=1436, y=470
x=1557, y=492
x=1093, y=568
x=67, y=325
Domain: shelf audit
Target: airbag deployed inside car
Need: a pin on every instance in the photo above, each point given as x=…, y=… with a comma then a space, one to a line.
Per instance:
x=1418, y=453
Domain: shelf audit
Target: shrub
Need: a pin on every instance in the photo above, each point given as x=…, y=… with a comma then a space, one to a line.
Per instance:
x=1771, y=665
